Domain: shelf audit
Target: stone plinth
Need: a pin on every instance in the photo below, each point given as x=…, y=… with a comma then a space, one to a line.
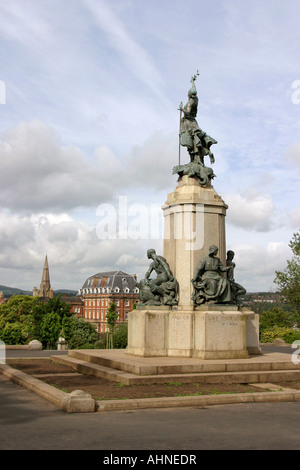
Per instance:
x=194, y=219
x=220, y=333
x=211, y=332
x=148, y=331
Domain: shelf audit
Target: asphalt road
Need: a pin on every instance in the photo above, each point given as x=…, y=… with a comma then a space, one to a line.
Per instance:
x=28, y=422
x=16, y=353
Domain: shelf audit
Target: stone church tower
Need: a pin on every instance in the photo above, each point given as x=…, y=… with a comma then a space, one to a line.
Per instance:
x=45, y=287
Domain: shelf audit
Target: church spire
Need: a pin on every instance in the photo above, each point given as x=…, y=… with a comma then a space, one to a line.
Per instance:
x=45, y=287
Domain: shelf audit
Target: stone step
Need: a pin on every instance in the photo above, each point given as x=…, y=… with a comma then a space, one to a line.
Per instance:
x=118, y=360
x=117, y=375
x=88, y=368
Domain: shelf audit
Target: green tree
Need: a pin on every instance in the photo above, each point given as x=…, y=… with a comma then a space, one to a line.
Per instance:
x=27, y=325
x=12, y=334
x=275, y=317
x=43, y=308
x=289, y=279
x=59, y=306
x=18, y=305
x=16, y=319
x=111, y=317
x=120, y=336
x=50, y=329
x=79, y=333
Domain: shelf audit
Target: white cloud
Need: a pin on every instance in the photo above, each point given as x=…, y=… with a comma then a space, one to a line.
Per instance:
x=250, y=210
x=136, y=58
x=295, y=218
x=256, y=265
x=292, y=156
x=74, y=251
x=38, y=173
x=92, y=91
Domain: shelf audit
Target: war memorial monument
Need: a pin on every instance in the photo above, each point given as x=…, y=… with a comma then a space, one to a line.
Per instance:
x=190, y=304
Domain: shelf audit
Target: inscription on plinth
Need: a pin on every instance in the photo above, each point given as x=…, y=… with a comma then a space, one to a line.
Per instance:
x=220, y=335
x=181, y=334
x=206, y=335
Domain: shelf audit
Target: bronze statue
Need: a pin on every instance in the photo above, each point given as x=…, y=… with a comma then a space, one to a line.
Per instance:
x=236, y=289
x=163, y=289
x=209, y=285
x=198, y=143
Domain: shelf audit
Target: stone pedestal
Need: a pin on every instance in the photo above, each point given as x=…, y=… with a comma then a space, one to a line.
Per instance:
x=194, y=219
x=147, y=332
x=211, y=332
x=220, y=333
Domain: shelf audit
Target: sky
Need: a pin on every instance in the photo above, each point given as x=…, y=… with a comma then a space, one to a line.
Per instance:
x=89, y=97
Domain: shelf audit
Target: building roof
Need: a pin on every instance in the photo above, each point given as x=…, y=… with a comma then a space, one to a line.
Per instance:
x=110, y=281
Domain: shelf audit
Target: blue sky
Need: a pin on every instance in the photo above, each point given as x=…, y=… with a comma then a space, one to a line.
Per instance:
x=90, y=114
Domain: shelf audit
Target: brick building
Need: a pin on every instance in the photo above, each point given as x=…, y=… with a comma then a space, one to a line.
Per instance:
x=76, y=304
x=102, y=288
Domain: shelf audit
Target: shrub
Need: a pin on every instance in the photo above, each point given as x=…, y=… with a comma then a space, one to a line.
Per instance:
x=289, y=335
x=120, y=336
x=275, y=317
x=12, y=334
x=79, y=333
x=50, y=329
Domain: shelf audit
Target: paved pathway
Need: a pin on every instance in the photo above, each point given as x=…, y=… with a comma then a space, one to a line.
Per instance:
x=27, y=421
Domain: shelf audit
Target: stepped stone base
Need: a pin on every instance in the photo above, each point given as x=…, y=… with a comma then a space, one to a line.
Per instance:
x=118, y=366
x=209, y=332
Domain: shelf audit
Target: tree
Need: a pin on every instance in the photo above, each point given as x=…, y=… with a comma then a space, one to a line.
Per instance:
x=17, y=305
x=120, y=336
x=111, y=317
x=12, y=333
x=50, y=328
x=289, y=279
x=79, y=333
x=16, y=319
x=275, y=317
x=43, y=308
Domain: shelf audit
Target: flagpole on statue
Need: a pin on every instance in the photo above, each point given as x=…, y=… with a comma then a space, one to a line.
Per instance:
x=180, y=109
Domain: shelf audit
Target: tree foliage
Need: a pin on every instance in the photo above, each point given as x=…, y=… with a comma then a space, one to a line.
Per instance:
x=79, y=333
x=289, y=279
x=276, y=317
x=16, y=319
x=24, y=318
x=289, y=335
x=120, y=336
x=50, y=328
x=111, y=317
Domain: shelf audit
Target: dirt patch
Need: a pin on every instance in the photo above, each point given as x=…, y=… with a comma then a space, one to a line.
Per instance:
x=66, y=379
x=292, y=384
x=38, y=366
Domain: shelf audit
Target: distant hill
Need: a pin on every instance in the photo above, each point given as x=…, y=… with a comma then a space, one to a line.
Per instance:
x=9, y=291
x=70, y=292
